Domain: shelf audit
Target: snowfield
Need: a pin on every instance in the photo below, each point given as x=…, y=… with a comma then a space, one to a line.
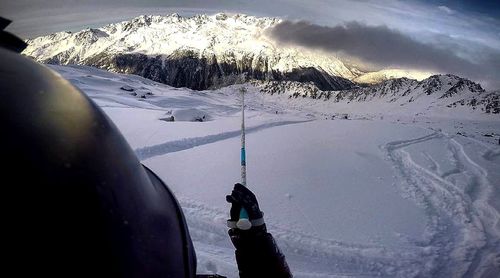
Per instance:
x=387, y=194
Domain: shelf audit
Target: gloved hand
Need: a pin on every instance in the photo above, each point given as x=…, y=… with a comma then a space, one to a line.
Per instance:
x=243, y=197
x=257, y=254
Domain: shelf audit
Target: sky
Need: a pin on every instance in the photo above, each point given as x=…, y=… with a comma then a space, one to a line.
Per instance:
x=464, y=34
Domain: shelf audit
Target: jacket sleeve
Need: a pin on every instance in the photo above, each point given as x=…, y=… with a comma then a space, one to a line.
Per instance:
x=258, y=255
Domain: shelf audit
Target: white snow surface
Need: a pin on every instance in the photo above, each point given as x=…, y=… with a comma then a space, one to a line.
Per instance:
x=398, y=194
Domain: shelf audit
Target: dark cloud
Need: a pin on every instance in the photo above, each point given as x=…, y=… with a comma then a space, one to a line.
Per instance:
x=382, y=47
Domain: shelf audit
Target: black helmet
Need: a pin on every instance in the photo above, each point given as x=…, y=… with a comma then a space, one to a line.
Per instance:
x=75, y=199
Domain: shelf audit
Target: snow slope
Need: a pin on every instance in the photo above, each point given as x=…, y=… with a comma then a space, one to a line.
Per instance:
x=391, y=195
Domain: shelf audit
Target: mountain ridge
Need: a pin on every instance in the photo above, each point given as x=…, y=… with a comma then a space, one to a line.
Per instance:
x=207, y=52
x=215, y=47
x=445, y=90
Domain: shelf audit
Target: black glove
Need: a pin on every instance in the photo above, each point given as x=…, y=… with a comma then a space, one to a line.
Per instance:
x=243, y=197
x=257, y=254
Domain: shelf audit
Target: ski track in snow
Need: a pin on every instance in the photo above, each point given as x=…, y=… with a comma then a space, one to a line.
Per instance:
x=462, y=235
x=188, y=143
x=463, y=226
x=461, y=238
x=207, y=225
x=337, y=259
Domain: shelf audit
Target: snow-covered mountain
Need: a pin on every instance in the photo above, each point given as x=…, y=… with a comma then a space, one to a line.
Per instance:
x=445, y=91
x=202, y=52
x=386, y=74
x=198, y=52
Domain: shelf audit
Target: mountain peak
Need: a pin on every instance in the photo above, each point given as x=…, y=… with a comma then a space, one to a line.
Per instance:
x=216, y=46
x=449, y=84
x=387, y=74
x=205, y=51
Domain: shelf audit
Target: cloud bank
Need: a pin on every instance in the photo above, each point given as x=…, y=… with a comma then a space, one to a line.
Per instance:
x=377, y=47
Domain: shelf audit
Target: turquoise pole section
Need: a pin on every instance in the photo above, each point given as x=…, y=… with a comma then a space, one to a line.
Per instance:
x=243, y=223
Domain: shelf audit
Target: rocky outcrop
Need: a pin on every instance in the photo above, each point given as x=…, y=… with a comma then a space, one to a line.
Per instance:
x=186, y=69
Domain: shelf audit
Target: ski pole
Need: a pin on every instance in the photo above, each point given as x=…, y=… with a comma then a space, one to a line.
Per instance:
x=243, y=223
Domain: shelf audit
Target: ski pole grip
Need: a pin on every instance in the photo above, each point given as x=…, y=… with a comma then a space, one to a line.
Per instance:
x=244, y=223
